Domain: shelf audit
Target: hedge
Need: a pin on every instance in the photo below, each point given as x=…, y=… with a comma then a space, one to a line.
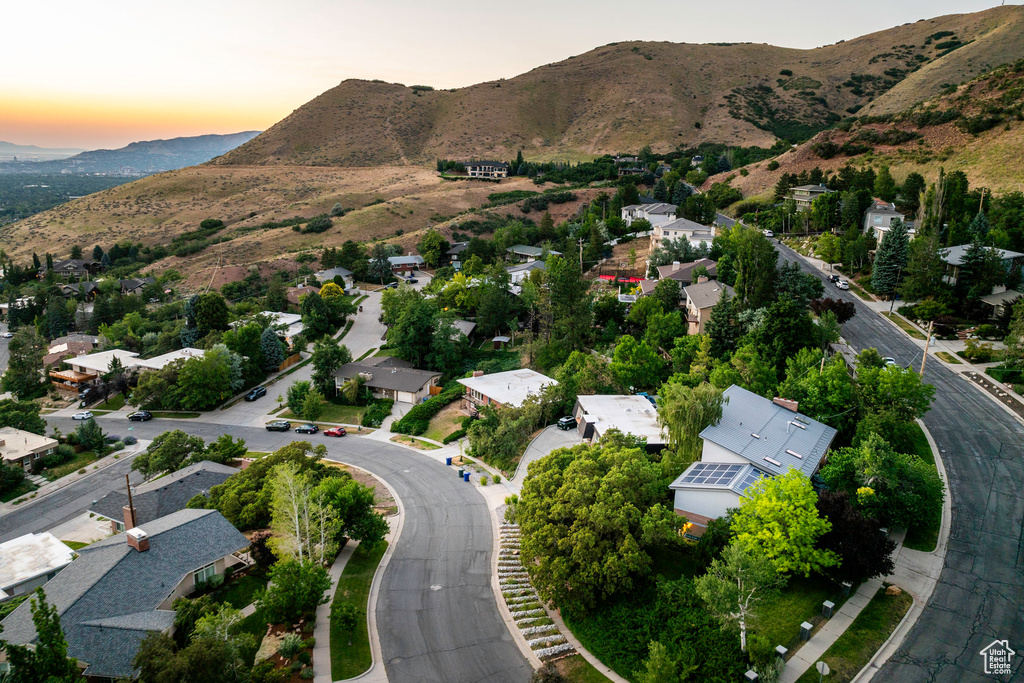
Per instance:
x=376, y=412
x=416, y=421
x=1011, y=375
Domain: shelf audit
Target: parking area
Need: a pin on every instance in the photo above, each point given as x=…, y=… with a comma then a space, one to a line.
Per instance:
x=548, y=440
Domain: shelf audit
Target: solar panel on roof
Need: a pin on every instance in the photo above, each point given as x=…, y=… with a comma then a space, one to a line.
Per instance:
x=712, y=473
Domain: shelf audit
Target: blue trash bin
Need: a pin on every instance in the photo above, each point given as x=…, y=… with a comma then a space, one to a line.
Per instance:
x=448, y=462
x=465, y=476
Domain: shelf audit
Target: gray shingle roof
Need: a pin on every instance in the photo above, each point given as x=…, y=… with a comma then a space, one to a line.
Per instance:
x=954, y=256
x=109, y=597
x=165, y=495
x=392, y=374
x=683, y=272
x=771, y=437
x=707, y=294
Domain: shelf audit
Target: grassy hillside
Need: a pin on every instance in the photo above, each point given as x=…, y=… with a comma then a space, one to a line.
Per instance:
x=624, y=95
x=977, y=128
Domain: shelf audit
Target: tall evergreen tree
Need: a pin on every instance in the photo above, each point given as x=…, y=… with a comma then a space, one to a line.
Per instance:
x=925, y=268
x=979, y=227
x=885, y=185
x=270, y=345
x=723, y=326
x=890, y=259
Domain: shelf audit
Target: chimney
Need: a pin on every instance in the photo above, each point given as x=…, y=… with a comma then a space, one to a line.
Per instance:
x=138, y=539
x=130, y=521
x=786, y=403
x=702, y=278
x=478, y=373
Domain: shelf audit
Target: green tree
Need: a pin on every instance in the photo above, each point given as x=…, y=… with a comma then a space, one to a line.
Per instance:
x=277, y=297
x=312, y=405
x=1014, y=336
x=46, y=660
x=684, y=412
x=169, y=452
x=778, y=519
x=885, y=185
x=890, y=259
x=353, y=505
x=316, y=317
x=786, y=329
x=747, y=368
x=570, y=304
x=755, y=267
x=432, y=247
x=89, y=435
x=662, y=667
x=825, y=393
x=589, y=517
x=223, y=450
x=328, y=356
x=828, y=248
x=298, y=587
x=211, y=312
x=23, y=415
x=204, y=381
x=734, y=584
x=895, y=390
x=636, y=366
x=297, y=393
x=723, y=326
x=448, y=346
x=24, y=375
x=411, y=335
x=668, y=292
x=270, y=347
x=494, y=303
x=925, y=268
x=799, y=286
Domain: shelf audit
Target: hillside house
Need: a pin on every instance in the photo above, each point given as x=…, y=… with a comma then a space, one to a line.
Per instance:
x=954, y=259
x=755, y=438
x=86, y=290
x=682, y=228
x=453, y=257
x=1000, y=303
x=804, y=195
x=27, y=562
x=630, y=414
x=510, y=388
x=683, y=272
x=99, y=363
x=700, y=299
x=121, y=589
x=523, y=253
x=68, y=346
x=71, y=268
x=162, y=496
x=135, y=285
x=658, y=213
x=486, y=169
x=325, y=276
x=879, y=217
x=19, y=448
x=390, y=377
x=163, y=360
x=521, y=271
x=293, y=295
x=406, y=264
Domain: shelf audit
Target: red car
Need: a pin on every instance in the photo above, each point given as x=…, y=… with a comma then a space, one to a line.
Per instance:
x=335, y=431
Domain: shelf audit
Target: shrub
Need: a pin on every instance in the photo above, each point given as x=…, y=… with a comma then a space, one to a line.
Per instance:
x=988, y=331
x=309, y=643
x=483, y=480
x=497, y=478
x=306, y=673
x=773, y=165
x=377, y=412
x=304, y=657
x=118, y=446
x=296, y=666
x=977, y=352
x=130, y=440
x=454, y=436
x=289, y=646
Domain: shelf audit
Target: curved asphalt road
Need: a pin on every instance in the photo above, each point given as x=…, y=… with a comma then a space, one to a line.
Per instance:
x=436, y=613
x=980, y=592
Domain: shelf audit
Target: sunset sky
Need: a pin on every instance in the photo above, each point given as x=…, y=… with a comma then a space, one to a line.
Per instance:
x=107, y=73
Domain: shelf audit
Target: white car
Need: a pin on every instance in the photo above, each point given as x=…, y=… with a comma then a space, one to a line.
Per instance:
x=84, y=415
x=889, y=360
x=768, y=233
x=842, y=284
x=8, y=335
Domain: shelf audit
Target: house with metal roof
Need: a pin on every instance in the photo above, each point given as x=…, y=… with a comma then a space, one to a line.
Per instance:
x=161, y=497
x=29, y=561
x=122, y=588
x=755, y=438
x=390, y=377
x=700, y=299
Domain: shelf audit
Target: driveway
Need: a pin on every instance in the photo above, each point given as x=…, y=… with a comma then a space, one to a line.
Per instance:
x=437, y=616
x=981, y=588
x=5, y=354
x=548, y=440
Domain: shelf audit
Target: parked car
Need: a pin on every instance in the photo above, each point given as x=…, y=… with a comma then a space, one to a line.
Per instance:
x=412, y=280
x=889, y=360
x=140, y=416
x=768, y=233
x=8, y=335
x=255, y=393
x=308, y=428
x=335, y=431
x=279, y=426
x=87, y=395
x=566, y=423
x=83, y=415
x=833, y=278
x=842, y=284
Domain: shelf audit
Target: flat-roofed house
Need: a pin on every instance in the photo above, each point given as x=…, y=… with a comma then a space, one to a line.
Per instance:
x=755, y=438
x=510, y=388
x=19, y=448
x=122, y=588
x=486, y=169
x=29, y=561
x=628, y=413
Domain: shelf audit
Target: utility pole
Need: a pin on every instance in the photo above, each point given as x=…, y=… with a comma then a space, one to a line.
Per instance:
x=581, y=254
x=927, y=342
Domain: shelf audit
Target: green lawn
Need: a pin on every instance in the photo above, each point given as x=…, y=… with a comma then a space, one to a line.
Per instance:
x=240, y=592
x=576, y=669
x=904, y=324
x=350, y=415
x=368, y=353
x=858, y=644
x=859, y=291
x=350, y=652
x=923, y=536
x=20, y=490
x=948, y=357
x=386, y=352
x=114, y=403
x=174, y=415
x=780, y=616
x=75, y=545
x=80, y=460
x=414, y=442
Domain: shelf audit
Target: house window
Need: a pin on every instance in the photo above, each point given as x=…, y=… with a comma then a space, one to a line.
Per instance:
x=204, y=574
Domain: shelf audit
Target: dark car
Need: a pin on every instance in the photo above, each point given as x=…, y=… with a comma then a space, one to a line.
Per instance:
x=307, y=428
x=140, y=416
x=256, y=393
x=279, y=426
x=833, y=278
x=568, y=422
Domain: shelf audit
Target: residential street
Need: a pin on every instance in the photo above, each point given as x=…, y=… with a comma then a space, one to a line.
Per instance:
x=981, y=588
x=4, y=352
x=437, y=615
